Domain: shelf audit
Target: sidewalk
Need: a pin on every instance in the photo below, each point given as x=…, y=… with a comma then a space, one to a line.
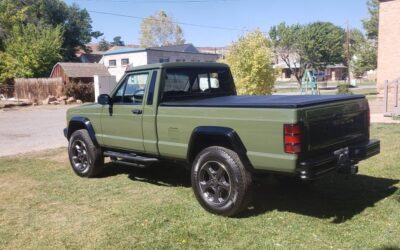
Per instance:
x=379, y=118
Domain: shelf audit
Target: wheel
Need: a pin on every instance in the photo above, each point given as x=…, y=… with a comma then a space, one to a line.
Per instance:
x=220, y=182
x=86, y=158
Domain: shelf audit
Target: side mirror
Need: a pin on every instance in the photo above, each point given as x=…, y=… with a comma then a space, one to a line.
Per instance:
x=104, y=99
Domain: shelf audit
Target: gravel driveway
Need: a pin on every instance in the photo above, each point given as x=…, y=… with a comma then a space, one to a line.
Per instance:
x=30, y=129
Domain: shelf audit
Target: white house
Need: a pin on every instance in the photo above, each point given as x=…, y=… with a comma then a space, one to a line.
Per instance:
x=117, y=61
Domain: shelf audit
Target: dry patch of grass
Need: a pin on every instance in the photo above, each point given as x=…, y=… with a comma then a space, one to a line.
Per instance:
x=43, y=205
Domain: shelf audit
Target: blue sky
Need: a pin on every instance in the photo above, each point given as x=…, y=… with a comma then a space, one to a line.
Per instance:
x=240, y=14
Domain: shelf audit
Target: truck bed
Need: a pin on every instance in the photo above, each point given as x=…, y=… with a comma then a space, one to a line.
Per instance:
x=272, y=101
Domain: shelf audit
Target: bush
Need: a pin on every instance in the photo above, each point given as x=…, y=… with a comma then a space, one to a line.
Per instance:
x=80, y=91
x=250, y=59
x=343, y=89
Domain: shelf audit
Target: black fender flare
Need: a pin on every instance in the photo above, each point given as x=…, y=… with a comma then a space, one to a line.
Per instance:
x=230, y=136
x=78, y=122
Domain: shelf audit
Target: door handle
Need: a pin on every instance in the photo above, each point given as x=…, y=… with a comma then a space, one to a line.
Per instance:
x=137, y=111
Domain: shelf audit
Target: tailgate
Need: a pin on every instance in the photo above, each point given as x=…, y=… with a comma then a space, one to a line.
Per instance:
x=337, y=125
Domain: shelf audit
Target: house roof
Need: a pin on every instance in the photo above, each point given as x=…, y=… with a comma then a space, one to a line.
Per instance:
x=185, y=48
x=90, y=58
x=77, y=70
x=123, y=51
x=189, y=48
x=178, y=65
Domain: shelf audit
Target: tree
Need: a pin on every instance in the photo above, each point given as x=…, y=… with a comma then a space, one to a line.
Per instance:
x=365, y=50
x=117, y=41
x=317, y=44
x=250, y=60
x=357, y=39
x=371, y=24
x=365, y=58
x=76, y=22
x=30, y=51
x=103, y=45
x=160, y=30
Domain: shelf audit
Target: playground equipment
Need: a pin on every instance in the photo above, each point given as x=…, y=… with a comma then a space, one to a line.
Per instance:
x=309, y=82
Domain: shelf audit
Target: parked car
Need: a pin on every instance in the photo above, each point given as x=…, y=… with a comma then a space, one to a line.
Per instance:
x=190, y=113
x=320, y=76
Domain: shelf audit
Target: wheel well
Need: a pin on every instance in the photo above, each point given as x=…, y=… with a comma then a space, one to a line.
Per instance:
x=77, y=123
x=74, y=126
x=207, y=136
x=205, y=141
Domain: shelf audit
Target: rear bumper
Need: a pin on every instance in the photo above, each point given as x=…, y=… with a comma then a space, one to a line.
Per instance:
x=315, y=168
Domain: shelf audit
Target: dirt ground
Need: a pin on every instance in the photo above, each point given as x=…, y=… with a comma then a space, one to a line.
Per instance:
x=27, y=129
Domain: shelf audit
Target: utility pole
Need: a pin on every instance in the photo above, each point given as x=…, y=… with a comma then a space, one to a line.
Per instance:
x=348, y=55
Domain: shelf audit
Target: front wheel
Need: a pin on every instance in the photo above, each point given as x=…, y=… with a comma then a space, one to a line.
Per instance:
x=220, y=181
x=85, y=157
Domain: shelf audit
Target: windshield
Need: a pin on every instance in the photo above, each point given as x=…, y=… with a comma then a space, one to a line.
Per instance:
x=197, y=82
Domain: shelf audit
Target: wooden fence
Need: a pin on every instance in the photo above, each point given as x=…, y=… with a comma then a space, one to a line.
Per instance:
x=37, y=89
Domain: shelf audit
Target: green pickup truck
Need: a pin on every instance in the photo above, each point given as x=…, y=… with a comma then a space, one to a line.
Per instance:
x=190, y=113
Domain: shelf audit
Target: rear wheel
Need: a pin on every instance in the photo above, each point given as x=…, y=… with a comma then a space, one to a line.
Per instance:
x=220, y=181
x=86, y=158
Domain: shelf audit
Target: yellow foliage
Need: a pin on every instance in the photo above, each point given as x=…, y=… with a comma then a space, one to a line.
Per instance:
x=250, y=59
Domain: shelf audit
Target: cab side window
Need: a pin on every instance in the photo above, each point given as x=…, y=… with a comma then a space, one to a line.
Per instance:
x=132, y=90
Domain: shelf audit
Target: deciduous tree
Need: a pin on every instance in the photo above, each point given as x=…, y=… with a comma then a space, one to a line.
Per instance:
x=317, y=44
x=160, y=30
x=103, y=45
x=30, y=51
x=117, y=41
x=364, y=59
x=76, y=22
x=365, y=50
x=371, y=24
x=250, y=59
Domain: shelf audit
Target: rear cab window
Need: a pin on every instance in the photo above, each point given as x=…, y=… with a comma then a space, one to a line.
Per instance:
x=197, y=82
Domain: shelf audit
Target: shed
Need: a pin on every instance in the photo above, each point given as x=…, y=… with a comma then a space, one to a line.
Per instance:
x=78, y=72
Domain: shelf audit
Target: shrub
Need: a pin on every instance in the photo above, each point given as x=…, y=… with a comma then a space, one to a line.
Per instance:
x=250, y=59
x=81, y=91
x=343, y=89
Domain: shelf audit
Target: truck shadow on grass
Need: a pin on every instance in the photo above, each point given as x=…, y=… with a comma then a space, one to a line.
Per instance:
x=165, y=174
x=339, y=197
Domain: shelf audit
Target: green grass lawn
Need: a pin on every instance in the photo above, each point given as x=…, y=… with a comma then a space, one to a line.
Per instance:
x=44, y=205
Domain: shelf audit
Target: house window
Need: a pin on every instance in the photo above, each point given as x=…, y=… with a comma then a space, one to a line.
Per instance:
x=164, y=60
x=180, y=60
x=112, y=63
x=124, y=61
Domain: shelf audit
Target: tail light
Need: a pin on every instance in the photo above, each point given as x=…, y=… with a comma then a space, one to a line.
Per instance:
x=292, y=138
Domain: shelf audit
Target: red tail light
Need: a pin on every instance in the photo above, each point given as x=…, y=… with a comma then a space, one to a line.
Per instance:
x=292, y=138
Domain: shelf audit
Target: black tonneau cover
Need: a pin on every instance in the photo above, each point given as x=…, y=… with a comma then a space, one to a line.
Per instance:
x=272, y=101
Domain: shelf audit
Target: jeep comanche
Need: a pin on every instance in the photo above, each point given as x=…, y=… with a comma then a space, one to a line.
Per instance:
x=190, y=113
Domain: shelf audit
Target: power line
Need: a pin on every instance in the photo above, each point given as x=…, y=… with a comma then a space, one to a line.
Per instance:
x=180, y=23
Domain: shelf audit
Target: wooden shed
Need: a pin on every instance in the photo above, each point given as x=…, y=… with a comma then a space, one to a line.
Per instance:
x=78, y=72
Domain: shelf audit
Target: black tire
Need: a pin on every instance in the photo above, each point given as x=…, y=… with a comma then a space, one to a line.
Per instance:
x=85, y=157
x=220, y=182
